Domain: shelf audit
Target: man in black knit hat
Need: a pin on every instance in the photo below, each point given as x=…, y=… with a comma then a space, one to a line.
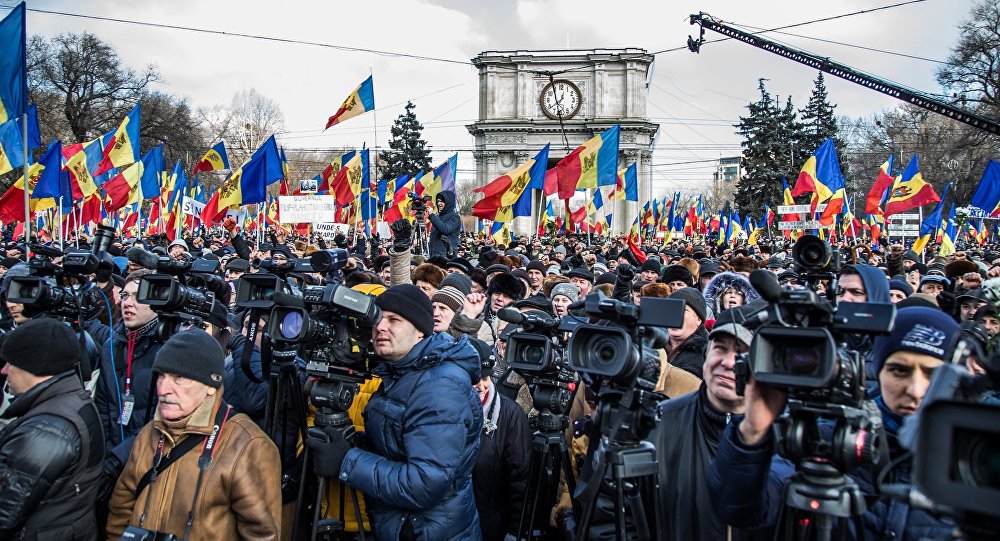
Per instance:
x=53, y=450
x=422, y=428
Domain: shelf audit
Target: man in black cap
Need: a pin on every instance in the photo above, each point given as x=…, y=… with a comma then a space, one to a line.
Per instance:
x=218, y=475
x=677, y=277
x=650, y=270
x=687, y=342
x=235, y=268
x=422, y=428
x=536, y=275
x=53, y=450
x=582, y=278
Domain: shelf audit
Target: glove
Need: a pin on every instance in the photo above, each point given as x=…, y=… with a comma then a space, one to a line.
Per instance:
x=402, y=232
x=103, y=274
x=329, y=448
x=946, y=301
x=626, y=272
x=112, y=468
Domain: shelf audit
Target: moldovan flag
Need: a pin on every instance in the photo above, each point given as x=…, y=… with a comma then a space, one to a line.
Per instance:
x=360, y=101
x=883, y=182
x=592, y=164
x=910, y=190
x=13, y=66
x=43, y=179
x=76, y=162
x=213, y=160
x=502, y=195
x=347, y=184
x=400, y=205
x=123, y=147
x=248, y=184
x=987, y=196
x=930, y=225
x=11, y=147
x=820, y=174
x=633, y=241
x=950, y=234
x=124, y=189
x=442, y=178
x=330, y=172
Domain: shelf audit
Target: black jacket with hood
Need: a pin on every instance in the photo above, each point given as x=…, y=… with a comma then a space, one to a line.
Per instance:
x=446, y=224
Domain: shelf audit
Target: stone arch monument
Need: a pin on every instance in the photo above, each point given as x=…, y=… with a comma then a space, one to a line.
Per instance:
x=562, y=97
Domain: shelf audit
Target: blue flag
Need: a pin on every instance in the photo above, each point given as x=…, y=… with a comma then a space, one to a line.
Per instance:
x=13, y=65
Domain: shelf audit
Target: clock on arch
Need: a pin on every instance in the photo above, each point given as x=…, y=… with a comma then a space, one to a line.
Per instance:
x=560, y=99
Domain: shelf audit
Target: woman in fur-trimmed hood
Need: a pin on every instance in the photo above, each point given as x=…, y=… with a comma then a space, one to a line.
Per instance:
x=726, y=290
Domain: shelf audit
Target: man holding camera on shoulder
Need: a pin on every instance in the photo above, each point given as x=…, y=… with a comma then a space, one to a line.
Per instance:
x=199, y=470
x=422, y=428
x=746, y=478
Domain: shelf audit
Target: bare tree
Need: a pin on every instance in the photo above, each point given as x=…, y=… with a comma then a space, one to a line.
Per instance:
x=252, y=118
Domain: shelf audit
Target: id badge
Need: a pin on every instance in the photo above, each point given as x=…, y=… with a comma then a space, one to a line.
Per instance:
x=128, y=404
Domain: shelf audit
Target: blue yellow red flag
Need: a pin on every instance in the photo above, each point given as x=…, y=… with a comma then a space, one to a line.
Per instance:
x=821, y=173
x=213, y=160
x=910, y=190
x=592, y=164
x=509, y=196
x=123, y=147
x=361, y=100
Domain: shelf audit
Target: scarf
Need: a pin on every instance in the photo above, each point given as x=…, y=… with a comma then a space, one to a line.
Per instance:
x=491, y=412
x=892, y=420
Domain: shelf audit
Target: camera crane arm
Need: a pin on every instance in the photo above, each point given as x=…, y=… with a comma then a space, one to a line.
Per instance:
x=889, y=88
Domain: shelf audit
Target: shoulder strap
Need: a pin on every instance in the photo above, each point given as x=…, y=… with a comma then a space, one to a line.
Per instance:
x=177, y=452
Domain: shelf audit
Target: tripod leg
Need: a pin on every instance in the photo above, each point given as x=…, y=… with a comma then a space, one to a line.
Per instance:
x=320, y=489
x=357, y=514
x=300, y=501
x=530, y=502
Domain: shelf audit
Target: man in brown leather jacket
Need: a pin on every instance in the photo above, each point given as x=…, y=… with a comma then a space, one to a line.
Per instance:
x=224, y=480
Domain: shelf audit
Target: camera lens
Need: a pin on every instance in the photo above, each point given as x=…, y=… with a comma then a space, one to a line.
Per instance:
x=159, y=292
x=604, y=351
x=978, y=459
x=798, y=361
x=534, y=355
x=291, y=325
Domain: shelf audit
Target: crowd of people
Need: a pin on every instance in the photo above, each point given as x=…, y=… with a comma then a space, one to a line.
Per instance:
x=117, y=426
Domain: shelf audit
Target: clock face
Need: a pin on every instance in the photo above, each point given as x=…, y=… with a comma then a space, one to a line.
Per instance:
x=560, y=99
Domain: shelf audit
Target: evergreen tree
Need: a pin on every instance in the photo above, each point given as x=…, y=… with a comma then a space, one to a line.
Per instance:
x=817, y=118
x=408, y=152
x=771, y=136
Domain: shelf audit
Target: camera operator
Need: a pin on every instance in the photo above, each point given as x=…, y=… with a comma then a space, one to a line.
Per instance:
x=746, y=479
x=213, y=473
x=125, y=390
x=686, y=438
x=446, y=225
x=422, y=428
x=51, y=453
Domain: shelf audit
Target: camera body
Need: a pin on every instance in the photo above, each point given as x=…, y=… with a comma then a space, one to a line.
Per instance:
x=135, y=533
x=331, y=327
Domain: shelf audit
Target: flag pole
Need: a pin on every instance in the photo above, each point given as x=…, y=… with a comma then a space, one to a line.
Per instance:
x=62, y=234
x=27, y=184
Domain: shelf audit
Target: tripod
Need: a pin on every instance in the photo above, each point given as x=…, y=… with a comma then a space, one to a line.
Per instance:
x=622, y=461
x=284, y=396
x=420, y=233
x=549, y=456
x=333, y=398
x=814, y=496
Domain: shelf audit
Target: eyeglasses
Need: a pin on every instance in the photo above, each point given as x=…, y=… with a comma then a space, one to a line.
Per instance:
x=125, y=295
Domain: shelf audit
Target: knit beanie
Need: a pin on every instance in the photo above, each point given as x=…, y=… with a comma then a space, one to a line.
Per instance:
x=677, y=273
x=900, y=285
x=43, y=347
x=918, y=329
x=693, y=298
x=451, y=297
x=410, y=303
x=193, y=354
x=567, y=290
x=458, y=281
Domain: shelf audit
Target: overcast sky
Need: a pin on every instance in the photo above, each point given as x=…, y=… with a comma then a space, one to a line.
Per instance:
x=695, y=98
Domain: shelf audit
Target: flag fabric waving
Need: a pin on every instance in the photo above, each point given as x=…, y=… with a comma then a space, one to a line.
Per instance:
x=931, y=224
x=46, y=173
x=248, y=184
x=361, y=100
x=441, y=178
x=987, y=196
x=11, y=147
x=213, y=160
x=910, y=190
x=882, y=183
x=820, y=174
x=592, y=164
x=123, y=147
x=502, y=195
x=347, y=184
x=13, y=65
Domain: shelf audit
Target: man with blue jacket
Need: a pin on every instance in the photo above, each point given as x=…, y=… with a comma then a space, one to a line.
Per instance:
x=746, y=478
x=422, y=428
x=446, y=225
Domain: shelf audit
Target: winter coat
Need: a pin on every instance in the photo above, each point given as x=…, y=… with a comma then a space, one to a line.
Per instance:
x=690, y=355
x=50, y=463
x=746, y=485
x=501, y=471
x=686, y=438
x=242, y=393
x=722, y=281
x=423, y=427
x=111, y=385
x=240, y=494
x=446, y=224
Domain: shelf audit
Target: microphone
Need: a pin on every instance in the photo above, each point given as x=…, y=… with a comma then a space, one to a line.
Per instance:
x=511, y=315
x=766, y=283
x=142, y=257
